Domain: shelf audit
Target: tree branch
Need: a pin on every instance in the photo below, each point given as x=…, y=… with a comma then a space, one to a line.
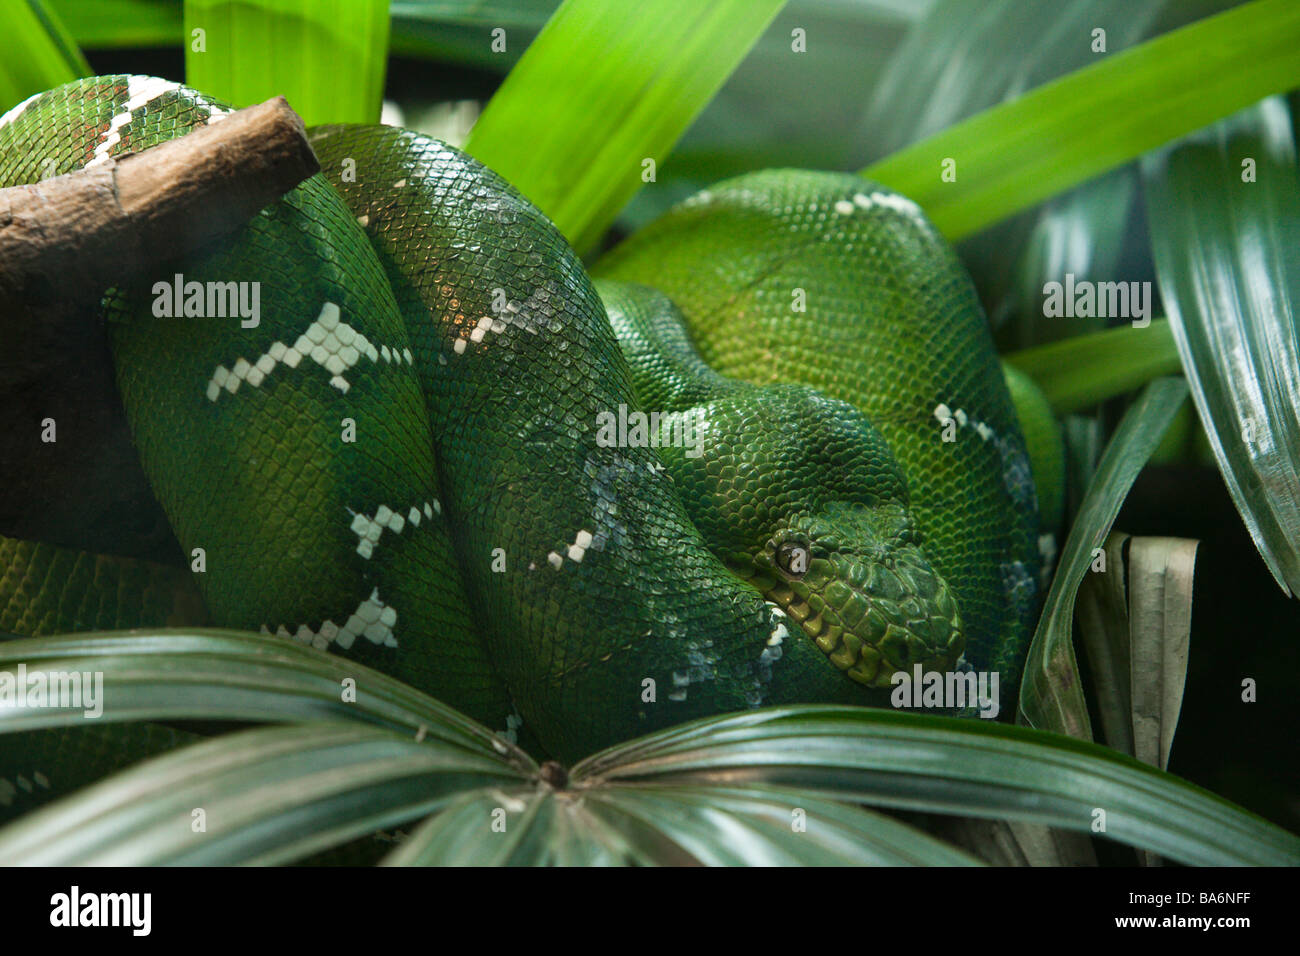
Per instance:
x=66, y=240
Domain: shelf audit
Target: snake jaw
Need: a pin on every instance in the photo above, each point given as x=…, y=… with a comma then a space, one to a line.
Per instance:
x=871, y=616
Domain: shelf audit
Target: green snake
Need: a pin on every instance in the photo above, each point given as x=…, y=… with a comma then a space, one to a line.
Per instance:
x=435, y=452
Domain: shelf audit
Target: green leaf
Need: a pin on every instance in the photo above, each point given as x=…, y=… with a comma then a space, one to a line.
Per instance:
x=1081, y=233
x=464, y=834
x=962, y=57
x=1059, y=135
x=773, y=111
x=942, y=765
x=109, y=24
x=1050, y=695
x=327, y=57
x=1227, y=257
x=40, y=53
x=1083, y=371
x=606, y=86
x=269, y=795
x=210, y=674
x=460, y=31
x=721, y=790
x=763, y=825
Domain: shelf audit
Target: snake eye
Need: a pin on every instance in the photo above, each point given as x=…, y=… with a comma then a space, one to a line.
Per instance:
x=792, y=558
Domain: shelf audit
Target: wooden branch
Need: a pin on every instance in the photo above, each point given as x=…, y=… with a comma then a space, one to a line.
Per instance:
x=66, y=240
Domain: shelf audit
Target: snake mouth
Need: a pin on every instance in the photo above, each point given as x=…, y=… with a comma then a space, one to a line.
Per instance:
x=872, y=619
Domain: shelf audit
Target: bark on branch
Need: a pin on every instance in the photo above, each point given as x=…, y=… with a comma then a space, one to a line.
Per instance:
x=66, y=240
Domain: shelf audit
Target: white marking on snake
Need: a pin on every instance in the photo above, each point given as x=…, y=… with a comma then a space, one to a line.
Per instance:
x=368, y=529
x=514, y=314
x=372, y=620
x=140, y=90
x=777, y=618
x=329, y=342
x=888, y=200
x=944, y=415
x=14, y=113
x=843, y=207
x=575, y=552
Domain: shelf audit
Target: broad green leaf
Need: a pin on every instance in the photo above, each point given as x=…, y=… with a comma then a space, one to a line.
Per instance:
x=1050, y=695
x=269, y=795
x=108, y=24
x=962, y=57
x=327, y=57
x=1080, y=234
x=758, y=825
x=1083, y=371
x=209, y=674
x=493, y=828
x=606, y=89
x=1059, y=135
x=537, y=827
x=39, y=52
x=945, y=765
x=1224, y=209
x=773, y=111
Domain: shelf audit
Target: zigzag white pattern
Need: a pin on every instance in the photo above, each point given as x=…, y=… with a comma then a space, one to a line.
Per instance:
x=140, y=90
x=372, y=620
x=332, y=344
x=369, y=529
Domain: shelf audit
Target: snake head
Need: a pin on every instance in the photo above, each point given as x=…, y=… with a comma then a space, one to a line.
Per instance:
x=855, y=579
x=800, y=495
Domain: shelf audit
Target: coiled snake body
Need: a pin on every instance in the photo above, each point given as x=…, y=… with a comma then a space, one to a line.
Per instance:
x=503, y=532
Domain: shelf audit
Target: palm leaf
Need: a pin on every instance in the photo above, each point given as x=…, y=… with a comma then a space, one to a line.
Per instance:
x=1012, y=156
x=1050, y=695
x=1228, y=262
x=49, y=55
x=263, y=796
x=721, y=790
x=212, y=674
x=606, y=86
x=326, y=56
x=108, y=24
x=1085, y=370
x=963, y=57
x=945, y=765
